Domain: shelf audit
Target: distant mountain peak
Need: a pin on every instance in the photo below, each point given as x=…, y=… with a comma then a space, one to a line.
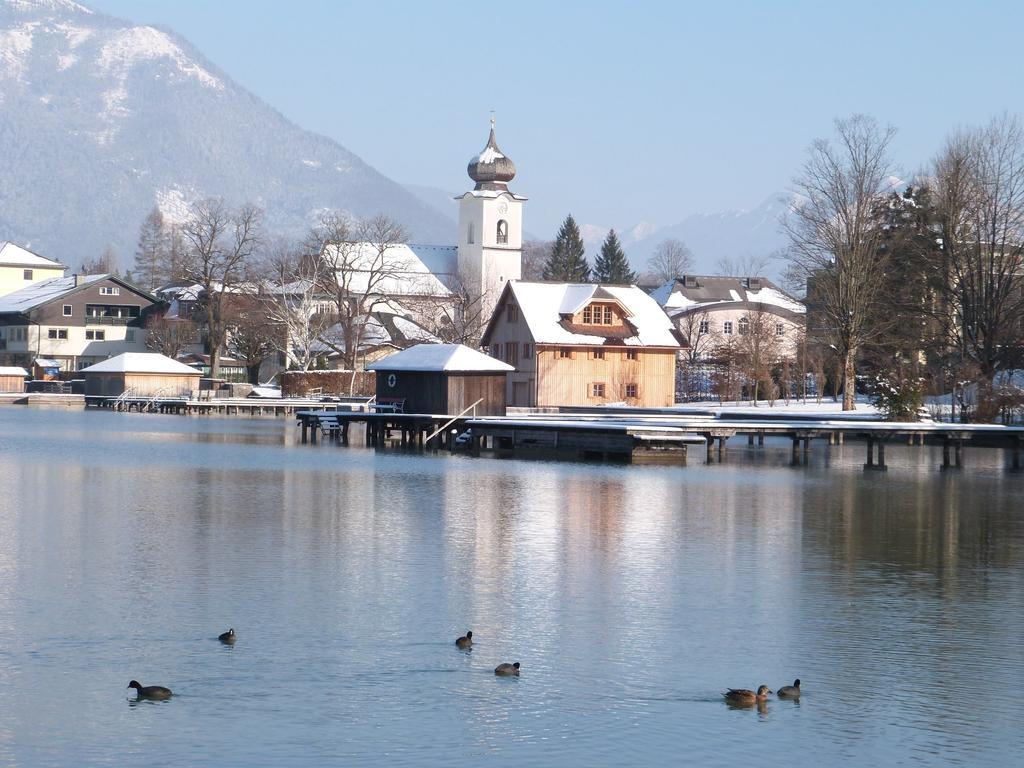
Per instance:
x=111, y=119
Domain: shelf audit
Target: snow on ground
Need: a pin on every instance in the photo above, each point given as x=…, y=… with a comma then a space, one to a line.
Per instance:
x=826, y=407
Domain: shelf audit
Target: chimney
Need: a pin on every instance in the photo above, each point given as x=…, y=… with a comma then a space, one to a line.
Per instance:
x=78, y=279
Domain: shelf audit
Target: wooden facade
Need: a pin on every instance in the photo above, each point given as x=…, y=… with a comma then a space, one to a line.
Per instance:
x=12, y=379
x=577, y=376
x=112, y=384
x=443, y=392
x=616, y=367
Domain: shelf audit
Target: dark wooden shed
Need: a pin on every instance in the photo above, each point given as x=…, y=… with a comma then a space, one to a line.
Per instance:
x=441, y=379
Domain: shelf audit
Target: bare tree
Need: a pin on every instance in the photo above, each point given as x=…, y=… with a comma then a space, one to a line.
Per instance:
x=365, y=269
x=104, y=264
x=834, y=244
x=170, y=336
x=749, y=265
x=693, y=361
x=253, y=336
x=978, y=186
x=296, y=302
x=220, y=242
x=671, y=259
x=758, y=349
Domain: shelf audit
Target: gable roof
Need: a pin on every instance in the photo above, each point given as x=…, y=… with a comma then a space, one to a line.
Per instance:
x=440, y=357
x=703, y=291
x=141, y=362
x=12, y=255
x=45, y=291
x=547, y=308
x=12, y=370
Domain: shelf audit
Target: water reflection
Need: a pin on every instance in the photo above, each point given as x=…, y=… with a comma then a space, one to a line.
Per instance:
x=631, y=595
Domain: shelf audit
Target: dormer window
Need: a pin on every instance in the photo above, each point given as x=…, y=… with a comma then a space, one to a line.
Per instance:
x=598, y=314
x=502, y=232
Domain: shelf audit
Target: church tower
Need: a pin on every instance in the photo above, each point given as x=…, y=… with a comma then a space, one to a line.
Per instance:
x=490, y=239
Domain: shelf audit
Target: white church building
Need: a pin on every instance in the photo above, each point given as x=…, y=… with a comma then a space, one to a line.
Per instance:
x=440, y=286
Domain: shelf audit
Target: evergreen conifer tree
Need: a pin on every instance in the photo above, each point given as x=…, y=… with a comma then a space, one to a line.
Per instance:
x=611, y=265
x=567, y=262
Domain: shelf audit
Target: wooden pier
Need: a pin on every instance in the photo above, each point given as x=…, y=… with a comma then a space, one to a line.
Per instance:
x=635, y=434
x=222, y=406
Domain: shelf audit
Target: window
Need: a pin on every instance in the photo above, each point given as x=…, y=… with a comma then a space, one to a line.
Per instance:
x=597, y=389
x=526, y=352
x=597, y=314
x=744, y=326
x=632, y=354
x=705, y=327
x=109, y=290
x=129, y=334
x=57, y=333
x=565, y=353
x=67, y=310
x=598, y=354
x=631, y=390
x=512, y=353
x=95, y=335
x=780, y=329
x=511, y=312
x=727, y=327
x=27, y=274
x=502, y=232
x=470, y=234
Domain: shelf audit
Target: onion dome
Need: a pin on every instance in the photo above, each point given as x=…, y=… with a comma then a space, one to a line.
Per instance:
x=491, y=169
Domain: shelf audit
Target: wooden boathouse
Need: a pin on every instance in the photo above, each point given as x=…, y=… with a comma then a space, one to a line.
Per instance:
x=441, y=379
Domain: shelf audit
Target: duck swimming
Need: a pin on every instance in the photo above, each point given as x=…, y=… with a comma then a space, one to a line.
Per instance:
x=746, y=696
x=150, y=691
x=227, y=637
x=789, y=691
x=465, y=642
x=507, y=670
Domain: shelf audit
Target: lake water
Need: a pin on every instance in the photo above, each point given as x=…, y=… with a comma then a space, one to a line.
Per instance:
x=632, y=596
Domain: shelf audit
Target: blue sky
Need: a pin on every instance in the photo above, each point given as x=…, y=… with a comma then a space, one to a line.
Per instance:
x=616, y=111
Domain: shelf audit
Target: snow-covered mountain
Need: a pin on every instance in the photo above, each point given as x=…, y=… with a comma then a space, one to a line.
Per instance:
x=100, y=120
x=711, y=236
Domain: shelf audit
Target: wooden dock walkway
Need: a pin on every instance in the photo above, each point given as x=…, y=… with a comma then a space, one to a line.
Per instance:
x=633, y=434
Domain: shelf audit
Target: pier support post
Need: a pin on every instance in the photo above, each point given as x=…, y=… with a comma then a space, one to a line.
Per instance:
x=839, y=438
x=795, y=459
x=871, y=453
x=750, y=439
x=344, y=433
x=958, y=453
x=881, y=456
x=945, y=452
x=806, y=448
x=709, y=442
x=305, y=431
x=760, y=439
x=721, y=447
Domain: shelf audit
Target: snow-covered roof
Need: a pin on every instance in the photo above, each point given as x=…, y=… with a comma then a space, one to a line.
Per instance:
x=404, y=269
x=12, y=255
x=440, y=357
x=36, y=294
x=544, y=307
x=141, y=362
x=380, y=329
x=706, y=291
x=12, y=370
x=46, y=362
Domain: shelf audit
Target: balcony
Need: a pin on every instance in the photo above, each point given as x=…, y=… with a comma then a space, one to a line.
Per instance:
x=108, y=320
